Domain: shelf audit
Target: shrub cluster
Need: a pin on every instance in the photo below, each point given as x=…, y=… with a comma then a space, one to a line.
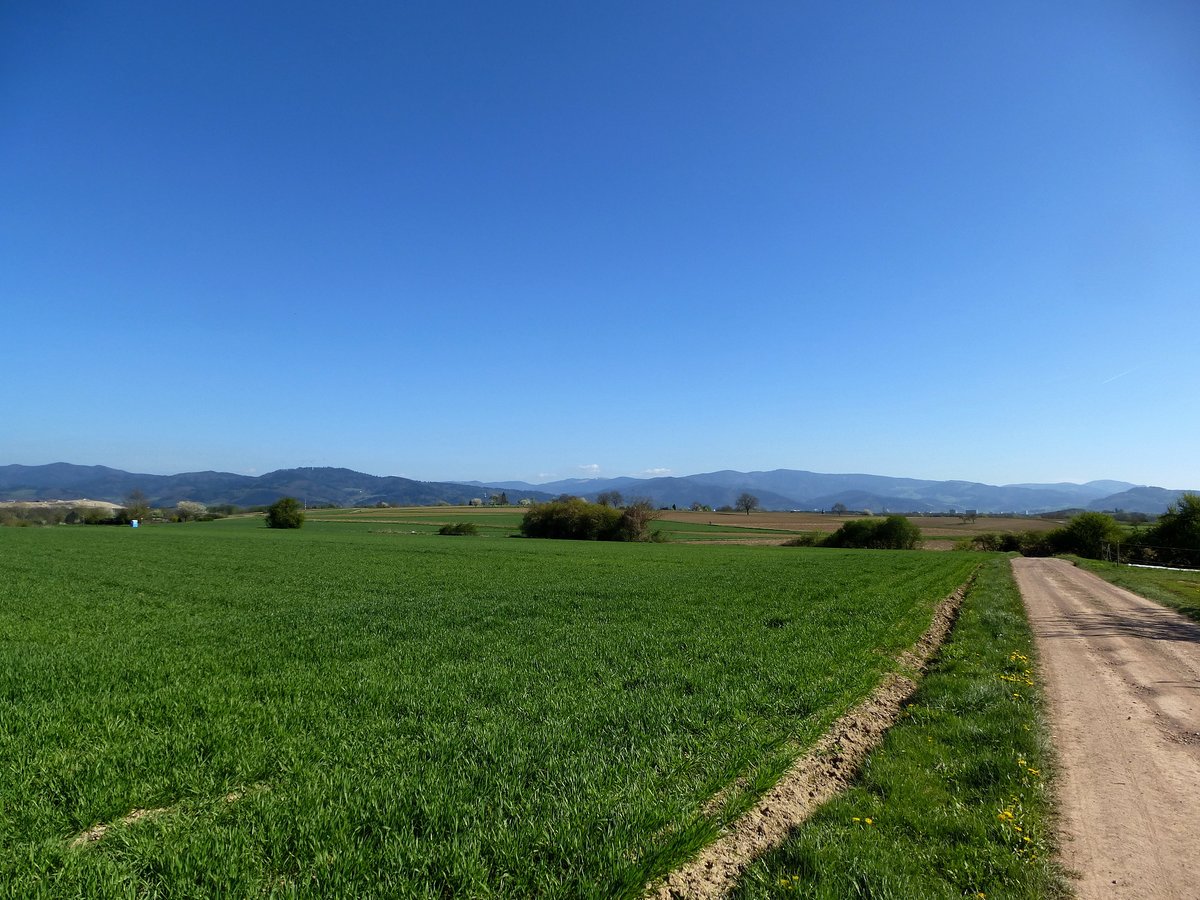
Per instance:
x=1004, y=542
x=459, y=528
x=892, y=533
x=64, y=515
x=1087, y=534
x=26, y=516
x=1173, y=540
x=285, y=512
x=811, y=539
x=185, y=511
x=578, y=520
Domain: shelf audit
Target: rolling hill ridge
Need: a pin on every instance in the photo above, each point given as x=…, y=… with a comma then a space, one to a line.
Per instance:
x=775, y=489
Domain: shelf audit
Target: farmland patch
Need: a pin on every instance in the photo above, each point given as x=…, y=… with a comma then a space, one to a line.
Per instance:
x=434, y=715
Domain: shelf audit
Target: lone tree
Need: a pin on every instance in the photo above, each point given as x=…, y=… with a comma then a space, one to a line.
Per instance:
x=136, y=505
x=285, y=512
x=746, y=502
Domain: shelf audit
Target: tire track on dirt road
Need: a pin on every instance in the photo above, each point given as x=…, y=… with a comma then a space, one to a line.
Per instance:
x=1122, y=677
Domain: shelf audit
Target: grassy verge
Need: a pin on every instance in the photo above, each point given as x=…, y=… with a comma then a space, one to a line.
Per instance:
x=1178, y=590
x=954, y=804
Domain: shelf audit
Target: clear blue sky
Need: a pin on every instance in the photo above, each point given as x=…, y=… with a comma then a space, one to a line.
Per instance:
x=535, y=240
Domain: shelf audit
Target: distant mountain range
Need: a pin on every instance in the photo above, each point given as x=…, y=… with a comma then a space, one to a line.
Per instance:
x=795, y=489
x=315, y=486
x=777, y=489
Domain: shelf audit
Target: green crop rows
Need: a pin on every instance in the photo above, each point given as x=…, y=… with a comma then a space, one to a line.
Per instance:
x=337, y=711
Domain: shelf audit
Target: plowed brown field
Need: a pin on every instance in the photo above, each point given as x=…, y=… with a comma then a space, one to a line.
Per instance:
x=931, y=526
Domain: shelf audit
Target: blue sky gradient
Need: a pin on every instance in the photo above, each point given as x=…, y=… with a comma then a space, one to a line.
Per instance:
x=540, y=240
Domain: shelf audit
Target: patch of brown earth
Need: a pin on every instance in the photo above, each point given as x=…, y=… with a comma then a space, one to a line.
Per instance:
x=815, y=778
x=133, y=816
x=949, y=527
x=138, y=814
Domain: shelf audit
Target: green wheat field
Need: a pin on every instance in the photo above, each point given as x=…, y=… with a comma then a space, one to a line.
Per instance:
x=357, y=710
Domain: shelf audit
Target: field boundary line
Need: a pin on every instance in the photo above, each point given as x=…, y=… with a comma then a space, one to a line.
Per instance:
x=826, y=770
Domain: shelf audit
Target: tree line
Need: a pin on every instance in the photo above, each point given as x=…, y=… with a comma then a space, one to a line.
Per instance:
x=1173, y=540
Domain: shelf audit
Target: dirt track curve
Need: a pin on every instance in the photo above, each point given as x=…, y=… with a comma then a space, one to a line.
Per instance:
x=1122, y=675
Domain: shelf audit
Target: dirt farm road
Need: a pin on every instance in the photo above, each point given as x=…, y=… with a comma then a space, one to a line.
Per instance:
x=1122, y=675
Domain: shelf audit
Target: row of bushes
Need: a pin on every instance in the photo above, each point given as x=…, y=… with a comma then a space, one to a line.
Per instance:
x=459, y=528
x=64, y=514
x=1087, y=534
x=1173, y=540
x=892, y=533
x=576, y=519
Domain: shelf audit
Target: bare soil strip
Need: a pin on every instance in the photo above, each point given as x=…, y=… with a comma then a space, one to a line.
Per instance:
x=1122, y=677
x=815, y=778
x=99, y=830
x=138, y=814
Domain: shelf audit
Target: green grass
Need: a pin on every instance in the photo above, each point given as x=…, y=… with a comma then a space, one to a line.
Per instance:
x=698, y=531
x=954, y=803
x=411, y=715
x=505, y=521
x=494, y=522
x=1176, y=589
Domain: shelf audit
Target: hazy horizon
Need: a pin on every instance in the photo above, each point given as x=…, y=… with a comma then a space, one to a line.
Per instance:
x=601, y=477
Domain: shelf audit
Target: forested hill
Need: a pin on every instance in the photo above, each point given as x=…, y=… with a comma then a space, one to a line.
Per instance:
x=315, y=486
x=776, y=489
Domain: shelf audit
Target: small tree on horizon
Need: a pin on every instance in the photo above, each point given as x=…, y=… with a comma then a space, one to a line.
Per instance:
x=610, y=498
x=137, y=506
x=747, y=503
